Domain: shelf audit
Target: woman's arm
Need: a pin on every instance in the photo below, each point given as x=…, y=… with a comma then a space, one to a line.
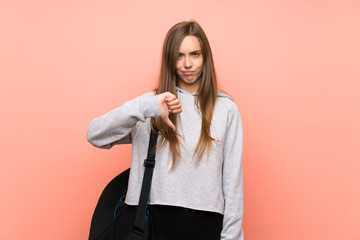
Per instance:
x=115, y=126
x=233, y=177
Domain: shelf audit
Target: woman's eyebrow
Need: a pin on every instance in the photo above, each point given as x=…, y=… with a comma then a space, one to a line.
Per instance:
x=191, y=51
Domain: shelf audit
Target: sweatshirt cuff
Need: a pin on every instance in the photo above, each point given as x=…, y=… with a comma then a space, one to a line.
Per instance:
x=149, y=107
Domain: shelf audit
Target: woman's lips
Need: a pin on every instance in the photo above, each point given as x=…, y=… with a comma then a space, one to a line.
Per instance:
x=188, y=73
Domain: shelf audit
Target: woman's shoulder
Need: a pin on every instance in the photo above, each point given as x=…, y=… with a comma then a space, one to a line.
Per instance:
x=226, y=101
x=223, y=94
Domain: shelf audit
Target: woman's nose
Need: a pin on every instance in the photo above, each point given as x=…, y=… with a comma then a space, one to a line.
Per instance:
x=188, y=62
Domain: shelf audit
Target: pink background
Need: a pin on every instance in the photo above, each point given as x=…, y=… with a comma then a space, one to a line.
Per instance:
x=293, y=68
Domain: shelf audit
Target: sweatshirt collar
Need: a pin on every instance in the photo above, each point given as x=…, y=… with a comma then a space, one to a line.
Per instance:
x=185, y=92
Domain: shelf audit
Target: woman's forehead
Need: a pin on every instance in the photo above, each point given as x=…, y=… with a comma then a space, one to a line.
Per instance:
x=189, y=44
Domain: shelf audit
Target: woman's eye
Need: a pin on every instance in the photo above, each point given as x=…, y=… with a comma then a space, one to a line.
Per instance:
x=180, y=55
x=196, y=54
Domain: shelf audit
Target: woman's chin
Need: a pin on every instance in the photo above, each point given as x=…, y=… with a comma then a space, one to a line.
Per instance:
x=189, y=79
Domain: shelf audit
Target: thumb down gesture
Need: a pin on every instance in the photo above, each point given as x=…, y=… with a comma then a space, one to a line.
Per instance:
x=168, y=103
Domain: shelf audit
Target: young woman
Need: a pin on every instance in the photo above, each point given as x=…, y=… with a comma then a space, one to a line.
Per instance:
x=197, y=186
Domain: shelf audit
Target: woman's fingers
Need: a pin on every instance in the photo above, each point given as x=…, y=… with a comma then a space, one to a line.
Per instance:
x=173, y=104
x=170, y=97
x=174, y=107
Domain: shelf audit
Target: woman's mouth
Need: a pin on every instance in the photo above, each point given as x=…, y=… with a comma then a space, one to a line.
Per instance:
x=188, y=73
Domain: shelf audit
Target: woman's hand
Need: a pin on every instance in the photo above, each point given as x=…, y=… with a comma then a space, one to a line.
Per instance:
x=168, y=103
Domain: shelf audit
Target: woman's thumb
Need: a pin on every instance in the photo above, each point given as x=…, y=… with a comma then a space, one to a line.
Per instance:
x=170, y=124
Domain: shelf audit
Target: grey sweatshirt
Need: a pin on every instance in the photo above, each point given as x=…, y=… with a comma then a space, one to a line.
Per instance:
x=215, y=185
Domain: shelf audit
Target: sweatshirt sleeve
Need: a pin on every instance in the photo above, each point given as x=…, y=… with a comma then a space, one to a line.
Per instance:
x=233, y=178
x=115, y=126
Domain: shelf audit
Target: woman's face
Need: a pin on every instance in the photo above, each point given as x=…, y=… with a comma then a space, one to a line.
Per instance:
x=189, y=64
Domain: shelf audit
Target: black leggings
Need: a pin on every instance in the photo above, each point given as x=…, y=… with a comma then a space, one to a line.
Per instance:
x=176, y=223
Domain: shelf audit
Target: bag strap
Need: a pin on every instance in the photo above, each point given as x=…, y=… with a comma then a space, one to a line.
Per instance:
x=149, y=164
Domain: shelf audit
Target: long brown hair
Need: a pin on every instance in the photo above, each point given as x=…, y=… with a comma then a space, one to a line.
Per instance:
x=207, y=91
